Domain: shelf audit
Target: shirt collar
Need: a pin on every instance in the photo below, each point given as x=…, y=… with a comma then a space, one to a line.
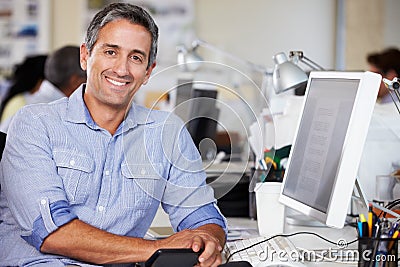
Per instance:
x=78, y=112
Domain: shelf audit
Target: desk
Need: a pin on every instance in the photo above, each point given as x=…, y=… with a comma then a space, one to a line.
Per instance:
x=309, y=242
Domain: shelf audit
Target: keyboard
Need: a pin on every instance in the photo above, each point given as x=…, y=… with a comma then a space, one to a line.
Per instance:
x=278, y=251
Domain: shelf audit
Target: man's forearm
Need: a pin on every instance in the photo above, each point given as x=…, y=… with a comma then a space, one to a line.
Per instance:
x=84, y=242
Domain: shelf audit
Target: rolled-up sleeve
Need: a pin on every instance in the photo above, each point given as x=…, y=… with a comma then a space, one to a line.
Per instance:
x=208, y=214
x=31, y=184
x=52, y=216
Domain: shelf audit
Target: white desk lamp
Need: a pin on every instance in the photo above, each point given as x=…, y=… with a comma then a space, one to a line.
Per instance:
x=190, y=55
x=393, y=86
x=287, y=74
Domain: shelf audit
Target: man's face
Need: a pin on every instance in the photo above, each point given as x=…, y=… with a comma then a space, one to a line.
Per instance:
x=117, y=65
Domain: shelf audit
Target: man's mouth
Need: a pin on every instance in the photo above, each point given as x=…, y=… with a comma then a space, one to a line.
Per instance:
x=117, y=83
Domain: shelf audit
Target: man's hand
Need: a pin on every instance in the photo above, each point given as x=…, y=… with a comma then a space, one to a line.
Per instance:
x=209, y=237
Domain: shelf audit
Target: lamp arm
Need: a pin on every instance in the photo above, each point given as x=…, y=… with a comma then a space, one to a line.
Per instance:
x=311, y=63
x=299, y=56
x=211, y=47
x=393, y=86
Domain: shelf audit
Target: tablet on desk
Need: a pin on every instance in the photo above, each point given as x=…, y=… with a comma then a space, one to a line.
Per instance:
x=182, y=257
x=160, y=232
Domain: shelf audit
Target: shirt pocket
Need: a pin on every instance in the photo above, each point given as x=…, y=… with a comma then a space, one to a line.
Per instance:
x=75, y=170
x=142, y=185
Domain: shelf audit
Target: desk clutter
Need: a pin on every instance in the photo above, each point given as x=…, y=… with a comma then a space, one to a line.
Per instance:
x=377, y=239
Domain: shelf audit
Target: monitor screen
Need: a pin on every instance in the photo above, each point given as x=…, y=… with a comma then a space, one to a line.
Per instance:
x=196, y=105
x=203, y=120
x=328, y=144
x=183, y=94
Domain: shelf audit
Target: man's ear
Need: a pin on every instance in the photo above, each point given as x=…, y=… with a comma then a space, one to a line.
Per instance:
x=83, y=57
x=148, y=73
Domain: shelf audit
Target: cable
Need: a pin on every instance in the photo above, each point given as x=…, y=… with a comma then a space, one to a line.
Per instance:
x=389, y=206
x=286, y=235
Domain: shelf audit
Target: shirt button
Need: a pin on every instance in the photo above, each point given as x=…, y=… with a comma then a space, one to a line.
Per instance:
x=72, y=162
x=101, y=208
x=143, y=172
x=43, y=201
x=107, y=172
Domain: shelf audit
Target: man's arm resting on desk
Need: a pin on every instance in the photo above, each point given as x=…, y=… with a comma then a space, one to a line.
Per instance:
x=84, y=242
x=81, y=241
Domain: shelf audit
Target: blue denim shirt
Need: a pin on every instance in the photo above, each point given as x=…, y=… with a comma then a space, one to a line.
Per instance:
x=59, y=165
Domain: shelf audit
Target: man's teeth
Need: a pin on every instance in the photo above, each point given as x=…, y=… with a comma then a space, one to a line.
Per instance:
x=116, y=83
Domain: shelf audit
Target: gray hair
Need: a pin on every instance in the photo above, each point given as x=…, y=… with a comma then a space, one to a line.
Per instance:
x=62, y=64
x=132, y=13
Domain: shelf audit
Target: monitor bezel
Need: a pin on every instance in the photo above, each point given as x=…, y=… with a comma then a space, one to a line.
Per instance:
x=351, y=152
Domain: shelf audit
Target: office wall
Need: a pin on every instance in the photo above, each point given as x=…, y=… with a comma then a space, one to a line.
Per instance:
x=257, y=29
x=67, y=22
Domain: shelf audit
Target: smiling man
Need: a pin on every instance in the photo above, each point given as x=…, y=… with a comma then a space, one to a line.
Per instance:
x=82, y=177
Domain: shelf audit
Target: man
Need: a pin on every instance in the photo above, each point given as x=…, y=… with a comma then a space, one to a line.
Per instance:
x=84, y=175
x=63, y=75
x=386, y=63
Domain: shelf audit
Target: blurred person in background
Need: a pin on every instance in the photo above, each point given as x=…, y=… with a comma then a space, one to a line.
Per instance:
x=25, y=81
x=63, y=75
x=380, y=154
x=386, y=63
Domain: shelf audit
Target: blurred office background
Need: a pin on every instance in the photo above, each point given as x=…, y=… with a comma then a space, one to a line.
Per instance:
x=337, y=34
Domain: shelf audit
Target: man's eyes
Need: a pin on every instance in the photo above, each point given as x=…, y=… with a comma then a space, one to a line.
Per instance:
x=134, y=58
x=110, y=52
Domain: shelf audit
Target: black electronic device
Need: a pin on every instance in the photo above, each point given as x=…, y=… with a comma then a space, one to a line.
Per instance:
x=180, y=257
x=203, y=120
x=236, y=264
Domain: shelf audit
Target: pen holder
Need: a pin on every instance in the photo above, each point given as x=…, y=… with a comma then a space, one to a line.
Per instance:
x=270, y=175
x=258, y=176
x=377, y=252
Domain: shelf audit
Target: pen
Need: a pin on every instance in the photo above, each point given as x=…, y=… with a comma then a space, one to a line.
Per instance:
x=269, y=160
x=359, y=229
x=362, y=217
x=375, y=244
x=370, y=220
x=393, y=229
x=365, y=229
x=394, y=236
x=364, y=225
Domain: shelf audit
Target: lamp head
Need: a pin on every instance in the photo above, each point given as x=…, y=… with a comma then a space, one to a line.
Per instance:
x=286, y=74
x=392, y=84
x=188, y=60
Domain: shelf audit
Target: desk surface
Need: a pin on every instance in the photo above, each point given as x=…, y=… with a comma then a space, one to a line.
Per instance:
x=306, y=241
x=309, y=242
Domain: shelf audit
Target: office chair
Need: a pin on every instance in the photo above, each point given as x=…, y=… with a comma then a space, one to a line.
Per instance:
x=2, y=143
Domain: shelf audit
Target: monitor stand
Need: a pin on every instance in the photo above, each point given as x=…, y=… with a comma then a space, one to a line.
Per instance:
x=296, y=218
x=358, y=202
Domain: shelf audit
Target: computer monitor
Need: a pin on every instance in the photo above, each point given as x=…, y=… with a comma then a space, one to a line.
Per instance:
x=326, y=151
x=182, y=96
x=203, y=119
x=196, y=105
